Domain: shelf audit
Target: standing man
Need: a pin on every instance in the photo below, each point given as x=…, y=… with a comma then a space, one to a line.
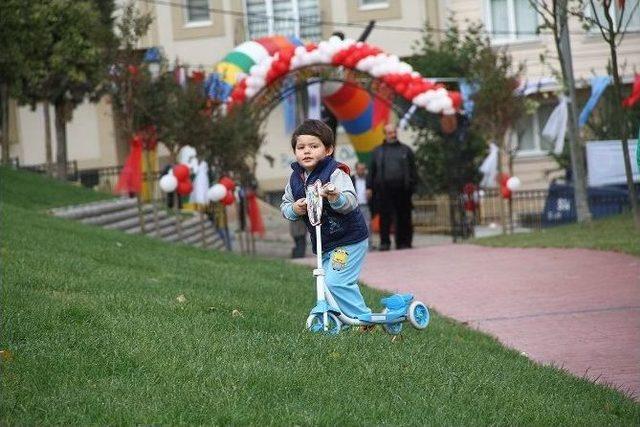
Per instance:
x=362, y=195
x=393, y=178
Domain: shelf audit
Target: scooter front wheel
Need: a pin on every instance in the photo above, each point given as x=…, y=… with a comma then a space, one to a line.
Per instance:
x=418, y=315
x=315, y=324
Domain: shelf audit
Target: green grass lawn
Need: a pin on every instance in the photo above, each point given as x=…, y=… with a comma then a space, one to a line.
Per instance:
x=616, y=233
x=97, y=335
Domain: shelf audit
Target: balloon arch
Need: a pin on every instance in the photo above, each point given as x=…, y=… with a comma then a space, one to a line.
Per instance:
x=360, y=84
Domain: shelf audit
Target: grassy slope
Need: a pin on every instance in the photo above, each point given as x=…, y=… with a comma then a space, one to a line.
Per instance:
x=616, y=233
x=97, y=336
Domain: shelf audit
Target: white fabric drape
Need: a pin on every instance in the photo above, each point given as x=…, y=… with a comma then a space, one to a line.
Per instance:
x=556, y=127
x=489, y=168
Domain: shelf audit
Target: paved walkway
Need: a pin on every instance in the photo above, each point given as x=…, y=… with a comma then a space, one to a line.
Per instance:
x=574, y=308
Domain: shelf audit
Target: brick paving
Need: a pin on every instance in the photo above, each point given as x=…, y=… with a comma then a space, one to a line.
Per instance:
x=574, y=308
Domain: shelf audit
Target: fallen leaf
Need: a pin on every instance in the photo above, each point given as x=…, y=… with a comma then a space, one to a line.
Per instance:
x=181, y=299
x=6, y=355
x=118, y=244
x=236, y=313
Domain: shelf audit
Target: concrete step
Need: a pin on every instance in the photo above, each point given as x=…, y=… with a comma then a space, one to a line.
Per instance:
x=133, y=221
x=94, y=209
x=116, y=216
x=212, y=243
x=197, y=237
x=189, y=228
x=164, y=220
x=171, y=227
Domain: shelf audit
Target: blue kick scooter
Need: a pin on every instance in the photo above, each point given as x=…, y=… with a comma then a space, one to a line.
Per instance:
x=326, y=317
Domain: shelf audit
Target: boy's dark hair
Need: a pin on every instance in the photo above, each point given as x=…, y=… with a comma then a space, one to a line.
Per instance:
x=316, y=128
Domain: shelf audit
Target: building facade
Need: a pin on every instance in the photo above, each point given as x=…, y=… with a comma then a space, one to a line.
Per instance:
x=199, y=33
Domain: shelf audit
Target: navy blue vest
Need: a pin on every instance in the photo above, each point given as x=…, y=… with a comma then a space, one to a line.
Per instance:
x=337, y=229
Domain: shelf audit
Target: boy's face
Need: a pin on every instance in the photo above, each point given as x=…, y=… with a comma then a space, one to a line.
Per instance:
x=310, y=150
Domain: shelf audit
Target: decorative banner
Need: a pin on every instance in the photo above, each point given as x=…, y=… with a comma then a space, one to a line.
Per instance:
x=314, y=107
x=289, y=106
x=556, y=127
x=605, y=163
x=253, y=210
x=631, y=100
x=489, y=167
x=598, y=85
x=200, y=185
x=130, y=180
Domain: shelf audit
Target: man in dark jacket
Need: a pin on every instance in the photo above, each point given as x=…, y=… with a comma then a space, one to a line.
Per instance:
x=393, y=177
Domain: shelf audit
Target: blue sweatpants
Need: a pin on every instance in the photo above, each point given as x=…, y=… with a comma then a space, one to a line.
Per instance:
x=342, y=268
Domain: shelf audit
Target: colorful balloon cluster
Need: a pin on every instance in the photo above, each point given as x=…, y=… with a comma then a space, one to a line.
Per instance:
x=354, y=55
x=508, y=184
x=178, y=179
x=223, y=191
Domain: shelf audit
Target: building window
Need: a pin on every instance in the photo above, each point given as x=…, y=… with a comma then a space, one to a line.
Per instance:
x=631, y=15
x=527, y=136
x=197, y=12
x=511, y=20
x=372, y=4
x=299, y=18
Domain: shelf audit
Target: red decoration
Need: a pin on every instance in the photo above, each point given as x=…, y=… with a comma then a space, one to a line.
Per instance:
x=253, y=210
x=184, y=187
x=631, y=100
x=181, y=172
x=197, y=76
x=228, y=183
x=229, y=199
x=130, y=180
x=504, y=190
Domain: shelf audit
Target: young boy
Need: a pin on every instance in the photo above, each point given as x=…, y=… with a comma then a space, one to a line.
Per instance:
x=344, y=231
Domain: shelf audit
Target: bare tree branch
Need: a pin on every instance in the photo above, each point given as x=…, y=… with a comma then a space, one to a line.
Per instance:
x=623, y=32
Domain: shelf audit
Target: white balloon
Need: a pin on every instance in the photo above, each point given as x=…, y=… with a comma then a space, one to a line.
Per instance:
x=168, y=183
x=250, y=92
x=513, y=183
x=216, y=192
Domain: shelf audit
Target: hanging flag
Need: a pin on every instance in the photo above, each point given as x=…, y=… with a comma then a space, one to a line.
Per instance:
x=598, y=85
x=631, y=100
x=253, y=210
x=130, y=180
x=314, y=110
x=489, y=167
x=289, y=105
x=556, y=127
x=200, y=185
x=467, y=90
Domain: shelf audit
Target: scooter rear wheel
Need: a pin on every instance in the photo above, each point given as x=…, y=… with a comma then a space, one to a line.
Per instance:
x=392, y=328
x=315, y=324
x=418, y=315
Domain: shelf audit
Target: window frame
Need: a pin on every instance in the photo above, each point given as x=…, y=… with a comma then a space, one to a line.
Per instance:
x=537, y=151
x=195, y=24
x=594, y=28
x=512, y=37
x=375, y=6
x=295, y=8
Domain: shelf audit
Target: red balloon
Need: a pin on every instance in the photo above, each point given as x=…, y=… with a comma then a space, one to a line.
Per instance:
x=228, y=183
x=185, y=187
x=506, y=193
x=456, y=98
x=503, y=178
x=229, y=198
x=181, y=172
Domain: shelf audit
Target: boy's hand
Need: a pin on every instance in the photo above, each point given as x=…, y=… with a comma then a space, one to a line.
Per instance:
x=330, y=192
x=300, y=206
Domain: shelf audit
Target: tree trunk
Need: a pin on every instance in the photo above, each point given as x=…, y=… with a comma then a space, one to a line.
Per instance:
x=563, y=45
x=47, y=138
x=61, y=140
x=619, y=112
x=4, y=106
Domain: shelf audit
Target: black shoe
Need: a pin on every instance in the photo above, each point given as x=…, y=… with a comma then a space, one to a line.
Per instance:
x=384, y=247
x=400, y=247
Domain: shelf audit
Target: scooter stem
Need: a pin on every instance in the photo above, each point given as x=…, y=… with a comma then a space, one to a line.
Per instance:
x=320, y=277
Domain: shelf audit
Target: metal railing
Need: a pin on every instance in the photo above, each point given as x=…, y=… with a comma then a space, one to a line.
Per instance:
x=527, y=209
